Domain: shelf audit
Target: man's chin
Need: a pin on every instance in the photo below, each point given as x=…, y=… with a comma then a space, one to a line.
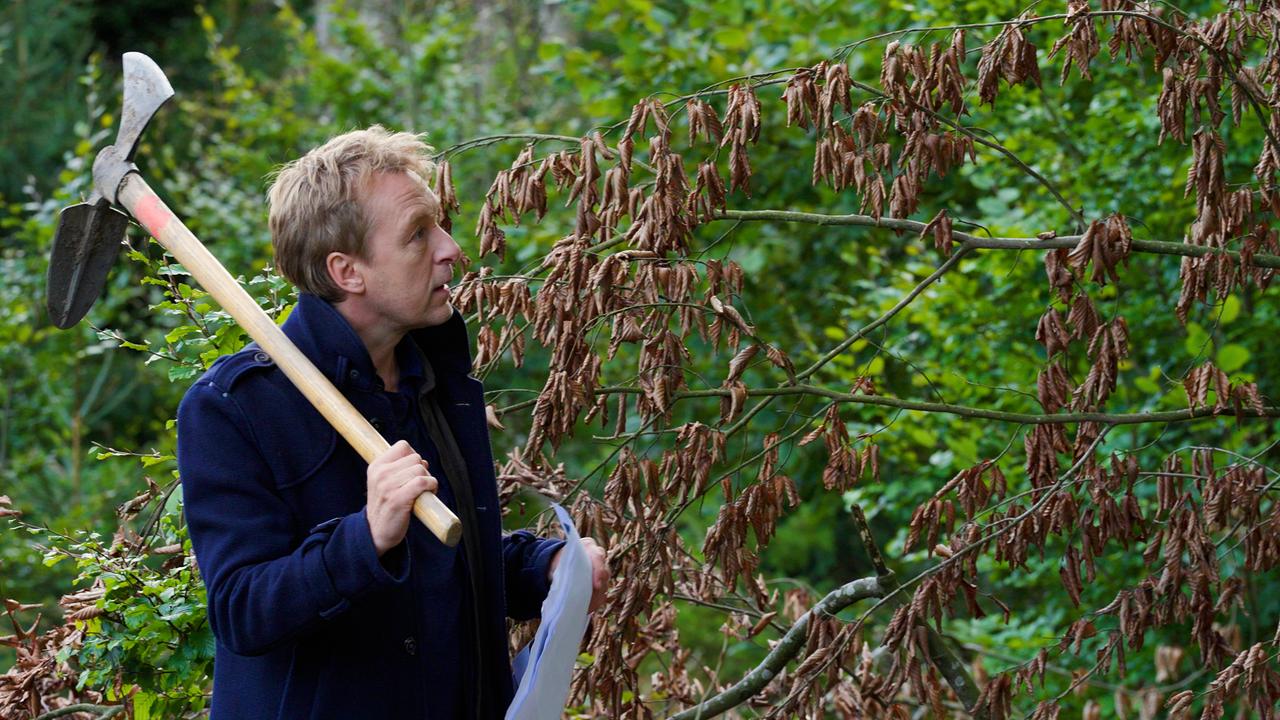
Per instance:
x=439, y=316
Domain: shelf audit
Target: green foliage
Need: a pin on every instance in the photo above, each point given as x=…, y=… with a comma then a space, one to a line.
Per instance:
x=152, y=642
x=459, y=72
x=42, y=46
x=202, y=332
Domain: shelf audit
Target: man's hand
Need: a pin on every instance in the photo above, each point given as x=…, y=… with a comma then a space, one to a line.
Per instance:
x=396, y=478
x=599, y=571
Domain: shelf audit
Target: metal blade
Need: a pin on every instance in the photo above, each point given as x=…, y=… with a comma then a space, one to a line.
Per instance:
x=85, y=246
x=145, y=90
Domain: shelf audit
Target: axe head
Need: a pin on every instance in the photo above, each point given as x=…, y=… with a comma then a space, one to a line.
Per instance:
x=85, y=245
x=145, y=90
x=88, y=237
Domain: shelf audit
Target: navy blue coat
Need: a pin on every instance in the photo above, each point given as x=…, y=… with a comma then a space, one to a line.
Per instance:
x=309, y=622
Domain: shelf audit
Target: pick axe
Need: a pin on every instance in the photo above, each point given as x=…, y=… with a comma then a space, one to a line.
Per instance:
x=89, y=238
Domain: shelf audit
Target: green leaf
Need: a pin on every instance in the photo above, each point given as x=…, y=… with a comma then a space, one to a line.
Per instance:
x=1232, y=357
x=149, y=460
x=731, y=38
x=875, y=367
x=1146, y=385
x=142, y=703
x=182, y=372
x=1196, y=339
x=180, y=332
x=1230, y=309
x=549, y=51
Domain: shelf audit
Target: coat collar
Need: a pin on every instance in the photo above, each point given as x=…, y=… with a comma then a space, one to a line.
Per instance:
x=329, y=341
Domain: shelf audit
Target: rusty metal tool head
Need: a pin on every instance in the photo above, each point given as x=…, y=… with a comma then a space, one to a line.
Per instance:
x=89, y=234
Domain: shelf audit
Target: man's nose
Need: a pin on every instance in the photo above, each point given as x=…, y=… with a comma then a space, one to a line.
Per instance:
x=450, y=252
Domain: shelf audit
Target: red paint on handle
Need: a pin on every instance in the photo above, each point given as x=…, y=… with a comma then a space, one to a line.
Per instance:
x=153, y=214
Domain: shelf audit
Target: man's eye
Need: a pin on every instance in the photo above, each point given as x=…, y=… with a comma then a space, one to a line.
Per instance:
x=419, y=234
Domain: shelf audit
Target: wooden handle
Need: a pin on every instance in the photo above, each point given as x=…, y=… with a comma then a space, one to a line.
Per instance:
x=155, y=216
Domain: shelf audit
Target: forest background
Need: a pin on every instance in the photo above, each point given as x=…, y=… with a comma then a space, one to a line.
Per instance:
x=86, y=431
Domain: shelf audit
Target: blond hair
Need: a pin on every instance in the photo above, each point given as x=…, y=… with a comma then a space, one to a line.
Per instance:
x=316, y=202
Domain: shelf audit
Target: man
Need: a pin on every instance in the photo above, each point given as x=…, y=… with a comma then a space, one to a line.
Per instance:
x=327, y=600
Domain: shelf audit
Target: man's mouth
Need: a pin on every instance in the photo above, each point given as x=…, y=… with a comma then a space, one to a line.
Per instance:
x=442, y=287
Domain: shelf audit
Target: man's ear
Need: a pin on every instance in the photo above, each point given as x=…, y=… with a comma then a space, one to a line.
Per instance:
x=345, y=272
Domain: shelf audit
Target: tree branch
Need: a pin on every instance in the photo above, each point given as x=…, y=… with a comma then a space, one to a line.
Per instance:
x=1158, y=247
x=104, y=711
x=869, y=541
x=951, y=668
x=782, y=653
x=961, y=410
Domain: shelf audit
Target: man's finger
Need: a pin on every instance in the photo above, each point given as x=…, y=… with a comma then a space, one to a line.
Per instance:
x=399, y=449
x=402, y=468
x=416, y=474
x=415, y=486
x=408, y=460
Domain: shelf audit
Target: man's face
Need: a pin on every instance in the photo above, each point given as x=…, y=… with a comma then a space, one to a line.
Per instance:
x=409, y=258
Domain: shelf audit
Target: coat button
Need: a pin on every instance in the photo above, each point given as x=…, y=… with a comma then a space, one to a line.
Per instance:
x=410, y=645
x=261, y=357
x=377, y=424
x=354, y=374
